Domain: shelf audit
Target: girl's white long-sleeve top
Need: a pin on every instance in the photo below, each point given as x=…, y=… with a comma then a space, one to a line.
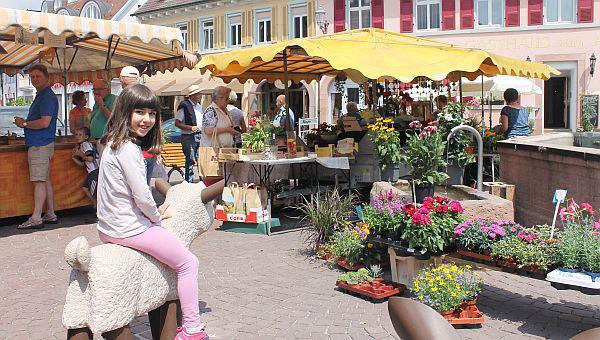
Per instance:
x=125, y=204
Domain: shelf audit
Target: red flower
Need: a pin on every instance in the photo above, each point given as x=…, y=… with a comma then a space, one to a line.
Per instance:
x=587, y=207
x=455, y=207
x=421, y=219
x=440, y=199
x=409, y=209
x=441, y=209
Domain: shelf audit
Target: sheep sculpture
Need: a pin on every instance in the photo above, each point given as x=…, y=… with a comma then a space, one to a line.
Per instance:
x=110, y=284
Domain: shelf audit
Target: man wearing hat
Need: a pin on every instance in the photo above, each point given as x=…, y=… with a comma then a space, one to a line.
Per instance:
x=129, y=76
x=189, y=120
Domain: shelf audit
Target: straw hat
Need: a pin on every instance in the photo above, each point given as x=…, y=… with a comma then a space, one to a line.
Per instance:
x=193, y=89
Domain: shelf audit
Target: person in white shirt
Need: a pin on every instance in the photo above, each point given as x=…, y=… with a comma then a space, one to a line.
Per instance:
x=189, y=121
x=280, y=119
x=127, y=213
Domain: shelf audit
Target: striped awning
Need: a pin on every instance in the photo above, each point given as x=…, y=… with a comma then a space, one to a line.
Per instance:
x=87, y=49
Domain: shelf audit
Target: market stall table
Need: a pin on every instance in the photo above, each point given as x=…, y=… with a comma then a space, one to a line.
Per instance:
x=308, y=171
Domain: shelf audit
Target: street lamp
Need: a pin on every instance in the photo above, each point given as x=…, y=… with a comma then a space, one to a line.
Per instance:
x=592, y=64
x=321, y=20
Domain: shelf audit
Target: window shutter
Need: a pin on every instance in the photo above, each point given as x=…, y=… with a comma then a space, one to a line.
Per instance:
x=377, y=13
x=513, y=13
x=245, y=29
x=406, y=16
x=284, y=23
x=224, y=31
x=310, y=19
x=448, y=10
x=339, y=15
x=467, y=17
x=250, y=28
x=585, y=11
x=535, y=13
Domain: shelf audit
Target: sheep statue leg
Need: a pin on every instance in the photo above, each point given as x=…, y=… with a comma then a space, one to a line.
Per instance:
x=164, y=320
x=123, y=333
x=79, y=334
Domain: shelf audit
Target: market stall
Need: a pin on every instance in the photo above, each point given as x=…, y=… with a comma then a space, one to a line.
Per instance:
x=350, y=55
x=75, y=50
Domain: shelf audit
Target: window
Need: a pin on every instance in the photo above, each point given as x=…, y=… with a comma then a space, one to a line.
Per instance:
x=359, y=13
x=428, y=14
x=299, y=22
x=490, y=12
x=263, y=26
x=91, y=10
x=184, y=33
x=208, y=35
x=559, y=10
x=235, y=30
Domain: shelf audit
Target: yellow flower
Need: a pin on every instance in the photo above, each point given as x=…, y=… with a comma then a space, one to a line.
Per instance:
x=434, y=289
x=389, y=120
x=457, y=286
x=370, y=245
x=374, y=127
x=453, y=294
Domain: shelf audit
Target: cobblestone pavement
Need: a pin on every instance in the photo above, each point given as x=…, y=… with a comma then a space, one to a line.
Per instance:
x=267, y=287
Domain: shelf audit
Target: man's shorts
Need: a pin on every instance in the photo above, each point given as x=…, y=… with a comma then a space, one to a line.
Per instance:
x=39, y=158
x=91, y=182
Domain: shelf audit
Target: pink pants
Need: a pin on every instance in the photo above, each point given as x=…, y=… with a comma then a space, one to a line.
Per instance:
x=166, y=248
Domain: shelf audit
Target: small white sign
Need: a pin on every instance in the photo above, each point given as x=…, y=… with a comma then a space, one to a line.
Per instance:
x=559, y=196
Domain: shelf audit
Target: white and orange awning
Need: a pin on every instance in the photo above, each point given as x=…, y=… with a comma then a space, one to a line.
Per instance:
x=87, y=49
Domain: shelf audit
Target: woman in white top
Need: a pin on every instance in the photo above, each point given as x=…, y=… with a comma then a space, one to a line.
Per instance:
x=218, y=129
x=127, y=213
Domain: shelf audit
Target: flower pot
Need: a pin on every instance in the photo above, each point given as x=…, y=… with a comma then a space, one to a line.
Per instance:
x=328, y=138
x=344, y=264
x=455, y=174
x=391, y=173
x=447, y=314
x=422, y=191
x=377, y=289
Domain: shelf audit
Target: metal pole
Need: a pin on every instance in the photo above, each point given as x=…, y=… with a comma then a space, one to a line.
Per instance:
x=482, y=110
x=490, y=106
x=66, y=119
x=286, y=91
x=460, y=92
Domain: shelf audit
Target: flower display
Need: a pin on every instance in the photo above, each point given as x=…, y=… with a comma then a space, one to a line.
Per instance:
x=446, y=287
x=528, y=247
x=453, y=115
x=326, y=129
x=387, y=141
x=349, y=241
x=479, y=235
x=424, y=153
x=579, y=245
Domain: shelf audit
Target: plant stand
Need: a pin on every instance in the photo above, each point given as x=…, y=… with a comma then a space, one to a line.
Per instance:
x=406, y=268
x=377, y=289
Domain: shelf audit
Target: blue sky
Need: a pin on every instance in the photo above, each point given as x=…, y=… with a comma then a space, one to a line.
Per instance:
x=22, y=4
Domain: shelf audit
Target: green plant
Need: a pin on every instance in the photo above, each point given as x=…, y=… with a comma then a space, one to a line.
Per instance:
x=384, y=216
x=424, y=153
x=387, y=142
x=323, y=211
x=586, y=121
x=259, y=134
x=375, y=270
x=479, y=235
x=569, y=248
x=360, y=276
x=350, y=241
x=528, y=247
x=19, y=101
x=591, y=254
x=446, y=287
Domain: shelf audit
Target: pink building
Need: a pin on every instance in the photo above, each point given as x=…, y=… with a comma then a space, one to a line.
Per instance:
x=562, y=33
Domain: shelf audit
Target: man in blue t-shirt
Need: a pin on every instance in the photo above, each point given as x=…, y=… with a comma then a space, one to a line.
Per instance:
x=40, y=130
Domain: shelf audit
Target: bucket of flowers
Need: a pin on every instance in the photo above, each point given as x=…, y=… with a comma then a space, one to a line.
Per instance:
x=452, y=291
x=387, y=142
x=327, y=133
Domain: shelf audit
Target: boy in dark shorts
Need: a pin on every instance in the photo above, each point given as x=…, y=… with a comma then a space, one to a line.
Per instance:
x=84, y=154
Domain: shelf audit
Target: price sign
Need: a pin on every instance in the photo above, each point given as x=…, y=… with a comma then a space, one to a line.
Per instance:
x=559, y=198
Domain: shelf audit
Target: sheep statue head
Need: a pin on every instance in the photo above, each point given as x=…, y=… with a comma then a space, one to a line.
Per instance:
x=110, y=285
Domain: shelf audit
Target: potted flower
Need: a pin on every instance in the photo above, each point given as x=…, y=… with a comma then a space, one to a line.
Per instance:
x=384, y=216
x=327, y=133
x=424, y=153
x=448, y=288
x=348, y=244
x=452, y=115
x=475, y=237
x=258, y=135
x=429, y=227
x=387, y=146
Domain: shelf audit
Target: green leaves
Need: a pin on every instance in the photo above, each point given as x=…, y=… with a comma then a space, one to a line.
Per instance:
x=425, y=155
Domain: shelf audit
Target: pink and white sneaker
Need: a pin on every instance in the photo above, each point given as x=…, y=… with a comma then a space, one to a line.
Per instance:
x=185, y=335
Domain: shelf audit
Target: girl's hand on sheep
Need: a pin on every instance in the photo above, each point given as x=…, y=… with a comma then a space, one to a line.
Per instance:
x=165, y=211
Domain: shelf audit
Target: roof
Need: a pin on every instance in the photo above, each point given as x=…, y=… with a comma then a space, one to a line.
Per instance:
x=108, y=7
x=155, y=5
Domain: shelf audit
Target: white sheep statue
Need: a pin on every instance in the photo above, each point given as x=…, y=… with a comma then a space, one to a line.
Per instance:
x=110, y=284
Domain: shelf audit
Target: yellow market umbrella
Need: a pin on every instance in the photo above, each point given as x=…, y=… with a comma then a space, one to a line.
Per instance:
x=366, y=54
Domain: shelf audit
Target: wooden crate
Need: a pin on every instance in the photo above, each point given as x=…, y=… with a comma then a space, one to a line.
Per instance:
x=406, y=268
x=229, y=154
x=247, y=155
x=500, y=189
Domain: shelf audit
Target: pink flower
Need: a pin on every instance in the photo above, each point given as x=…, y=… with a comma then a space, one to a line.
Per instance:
x=441, y=209
x=455, y=207
x=415, y=124
x=421, y=219
x=587, y=207
x=409, y=209
x=430, y=129
x=440, y=199
x=597, y=225
x=423, y=210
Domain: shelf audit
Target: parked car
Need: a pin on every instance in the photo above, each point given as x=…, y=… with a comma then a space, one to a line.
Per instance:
x=171, y=132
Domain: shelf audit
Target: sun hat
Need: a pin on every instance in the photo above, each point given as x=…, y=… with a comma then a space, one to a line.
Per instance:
x=193, y=89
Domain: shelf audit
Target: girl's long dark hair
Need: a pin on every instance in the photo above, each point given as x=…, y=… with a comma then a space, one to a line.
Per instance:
x=118, y=128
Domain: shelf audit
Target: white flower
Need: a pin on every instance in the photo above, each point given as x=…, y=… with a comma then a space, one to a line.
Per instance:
x=448, y=117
